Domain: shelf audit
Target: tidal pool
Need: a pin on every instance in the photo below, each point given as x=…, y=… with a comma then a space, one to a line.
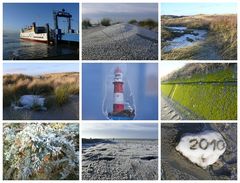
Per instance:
x=184, y=40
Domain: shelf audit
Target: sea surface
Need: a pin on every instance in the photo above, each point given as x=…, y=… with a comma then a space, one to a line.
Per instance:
x=121, y=141
x=16, y=49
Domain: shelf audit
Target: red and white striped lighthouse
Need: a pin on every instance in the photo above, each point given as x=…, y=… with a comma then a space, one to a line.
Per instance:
x=118, y=100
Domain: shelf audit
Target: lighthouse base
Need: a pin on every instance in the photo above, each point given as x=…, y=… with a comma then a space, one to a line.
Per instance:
x=123, y=115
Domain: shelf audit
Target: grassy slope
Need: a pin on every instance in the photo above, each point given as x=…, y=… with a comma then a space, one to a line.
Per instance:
x=210, y=101
x=226, y=75
x=222, y=36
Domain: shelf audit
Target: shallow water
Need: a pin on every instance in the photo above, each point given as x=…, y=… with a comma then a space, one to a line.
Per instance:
x=177, y=29
x=16, y=49
x=182, y=41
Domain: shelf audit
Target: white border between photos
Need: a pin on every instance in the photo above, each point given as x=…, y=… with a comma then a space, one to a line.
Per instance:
x=115, y=61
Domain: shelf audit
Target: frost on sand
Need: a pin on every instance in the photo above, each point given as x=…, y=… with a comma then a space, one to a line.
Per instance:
x=203, y=148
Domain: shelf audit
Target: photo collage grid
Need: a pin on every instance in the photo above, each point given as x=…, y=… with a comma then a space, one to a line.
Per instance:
x=119, y=91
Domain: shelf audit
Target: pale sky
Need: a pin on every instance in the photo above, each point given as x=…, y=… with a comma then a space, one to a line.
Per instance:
x=120, y=130
x=195, y=8
x=168, y=67
x=120, y=11
x=39, y=68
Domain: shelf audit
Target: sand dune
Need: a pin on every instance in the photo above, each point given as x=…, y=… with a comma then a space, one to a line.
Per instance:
x=119, y=41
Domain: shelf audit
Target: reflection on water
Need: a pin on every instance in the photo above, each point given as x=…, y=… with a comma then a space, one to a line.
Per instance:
x=177, y=29
x=15, y=48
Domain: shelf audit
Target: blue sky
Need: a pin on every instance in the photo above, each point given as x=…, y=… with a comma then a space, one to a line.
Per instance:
x=20, y=15
x=38, y=69
x=120, y=11
x=197, y=8
x=120, y=130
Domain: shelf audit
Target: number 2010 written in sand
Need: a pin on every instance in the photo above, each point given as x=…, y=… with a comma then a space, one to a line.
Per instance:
x=205, y=144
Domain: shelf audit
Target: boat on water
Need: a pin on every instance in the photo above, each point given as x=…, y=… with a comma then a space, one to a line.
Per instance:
x=51, y=36
x=34, y=33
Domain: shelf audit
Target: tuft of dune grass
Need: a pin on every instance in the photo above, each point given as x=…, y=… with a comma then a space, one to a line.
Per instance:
x=224, y=30
x=149, y=23
x=62, y=94
x=8, y=95
x=106, y=22
x=38, y=87
x=86, y=23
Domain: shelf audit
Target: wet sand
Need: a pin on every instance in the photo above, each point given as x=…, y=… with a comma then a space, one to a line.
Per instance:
x=120, y=160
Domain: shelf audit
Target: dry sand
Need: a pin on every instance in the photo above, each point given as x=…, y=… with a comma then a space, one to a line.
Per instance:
x=120, y=160
x=119, y=42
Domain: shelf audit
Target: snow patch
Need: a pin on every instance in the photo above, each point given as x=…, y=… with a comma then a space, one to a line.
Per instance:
x=29, y=101
x=202, y=148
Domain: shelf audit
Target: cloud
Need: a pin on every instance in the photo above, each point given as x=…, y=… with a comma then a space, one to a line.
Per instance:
x=116, y=8
x=36, y=68
x=122, y=130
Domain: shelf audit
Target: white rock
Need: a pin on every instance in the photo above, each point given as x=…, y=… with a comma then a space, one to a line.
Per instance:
x=202, y=148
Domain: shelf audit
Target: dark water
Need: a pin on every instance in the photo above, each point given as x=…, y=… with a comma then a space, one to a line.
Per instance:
x=17, y=49
x=94, y=142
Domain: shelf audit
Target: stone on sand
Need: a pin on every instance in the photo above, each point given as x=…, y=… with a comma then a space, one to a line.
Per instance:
x=202, y=148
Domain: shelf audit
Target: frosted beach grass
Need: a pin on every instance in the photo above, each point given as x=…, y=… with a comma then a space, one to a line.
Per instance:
x=46, y=151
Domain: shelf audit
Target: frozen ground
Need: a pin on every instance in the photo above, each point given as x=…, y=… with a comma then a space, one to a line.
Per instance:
x=69, y=111
x=174, y=166
x=119, y=42
x=120, y=160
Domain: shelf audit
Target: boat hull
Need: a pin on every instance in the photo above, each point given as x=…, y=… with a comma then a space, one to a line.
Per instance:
x=31, y=36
